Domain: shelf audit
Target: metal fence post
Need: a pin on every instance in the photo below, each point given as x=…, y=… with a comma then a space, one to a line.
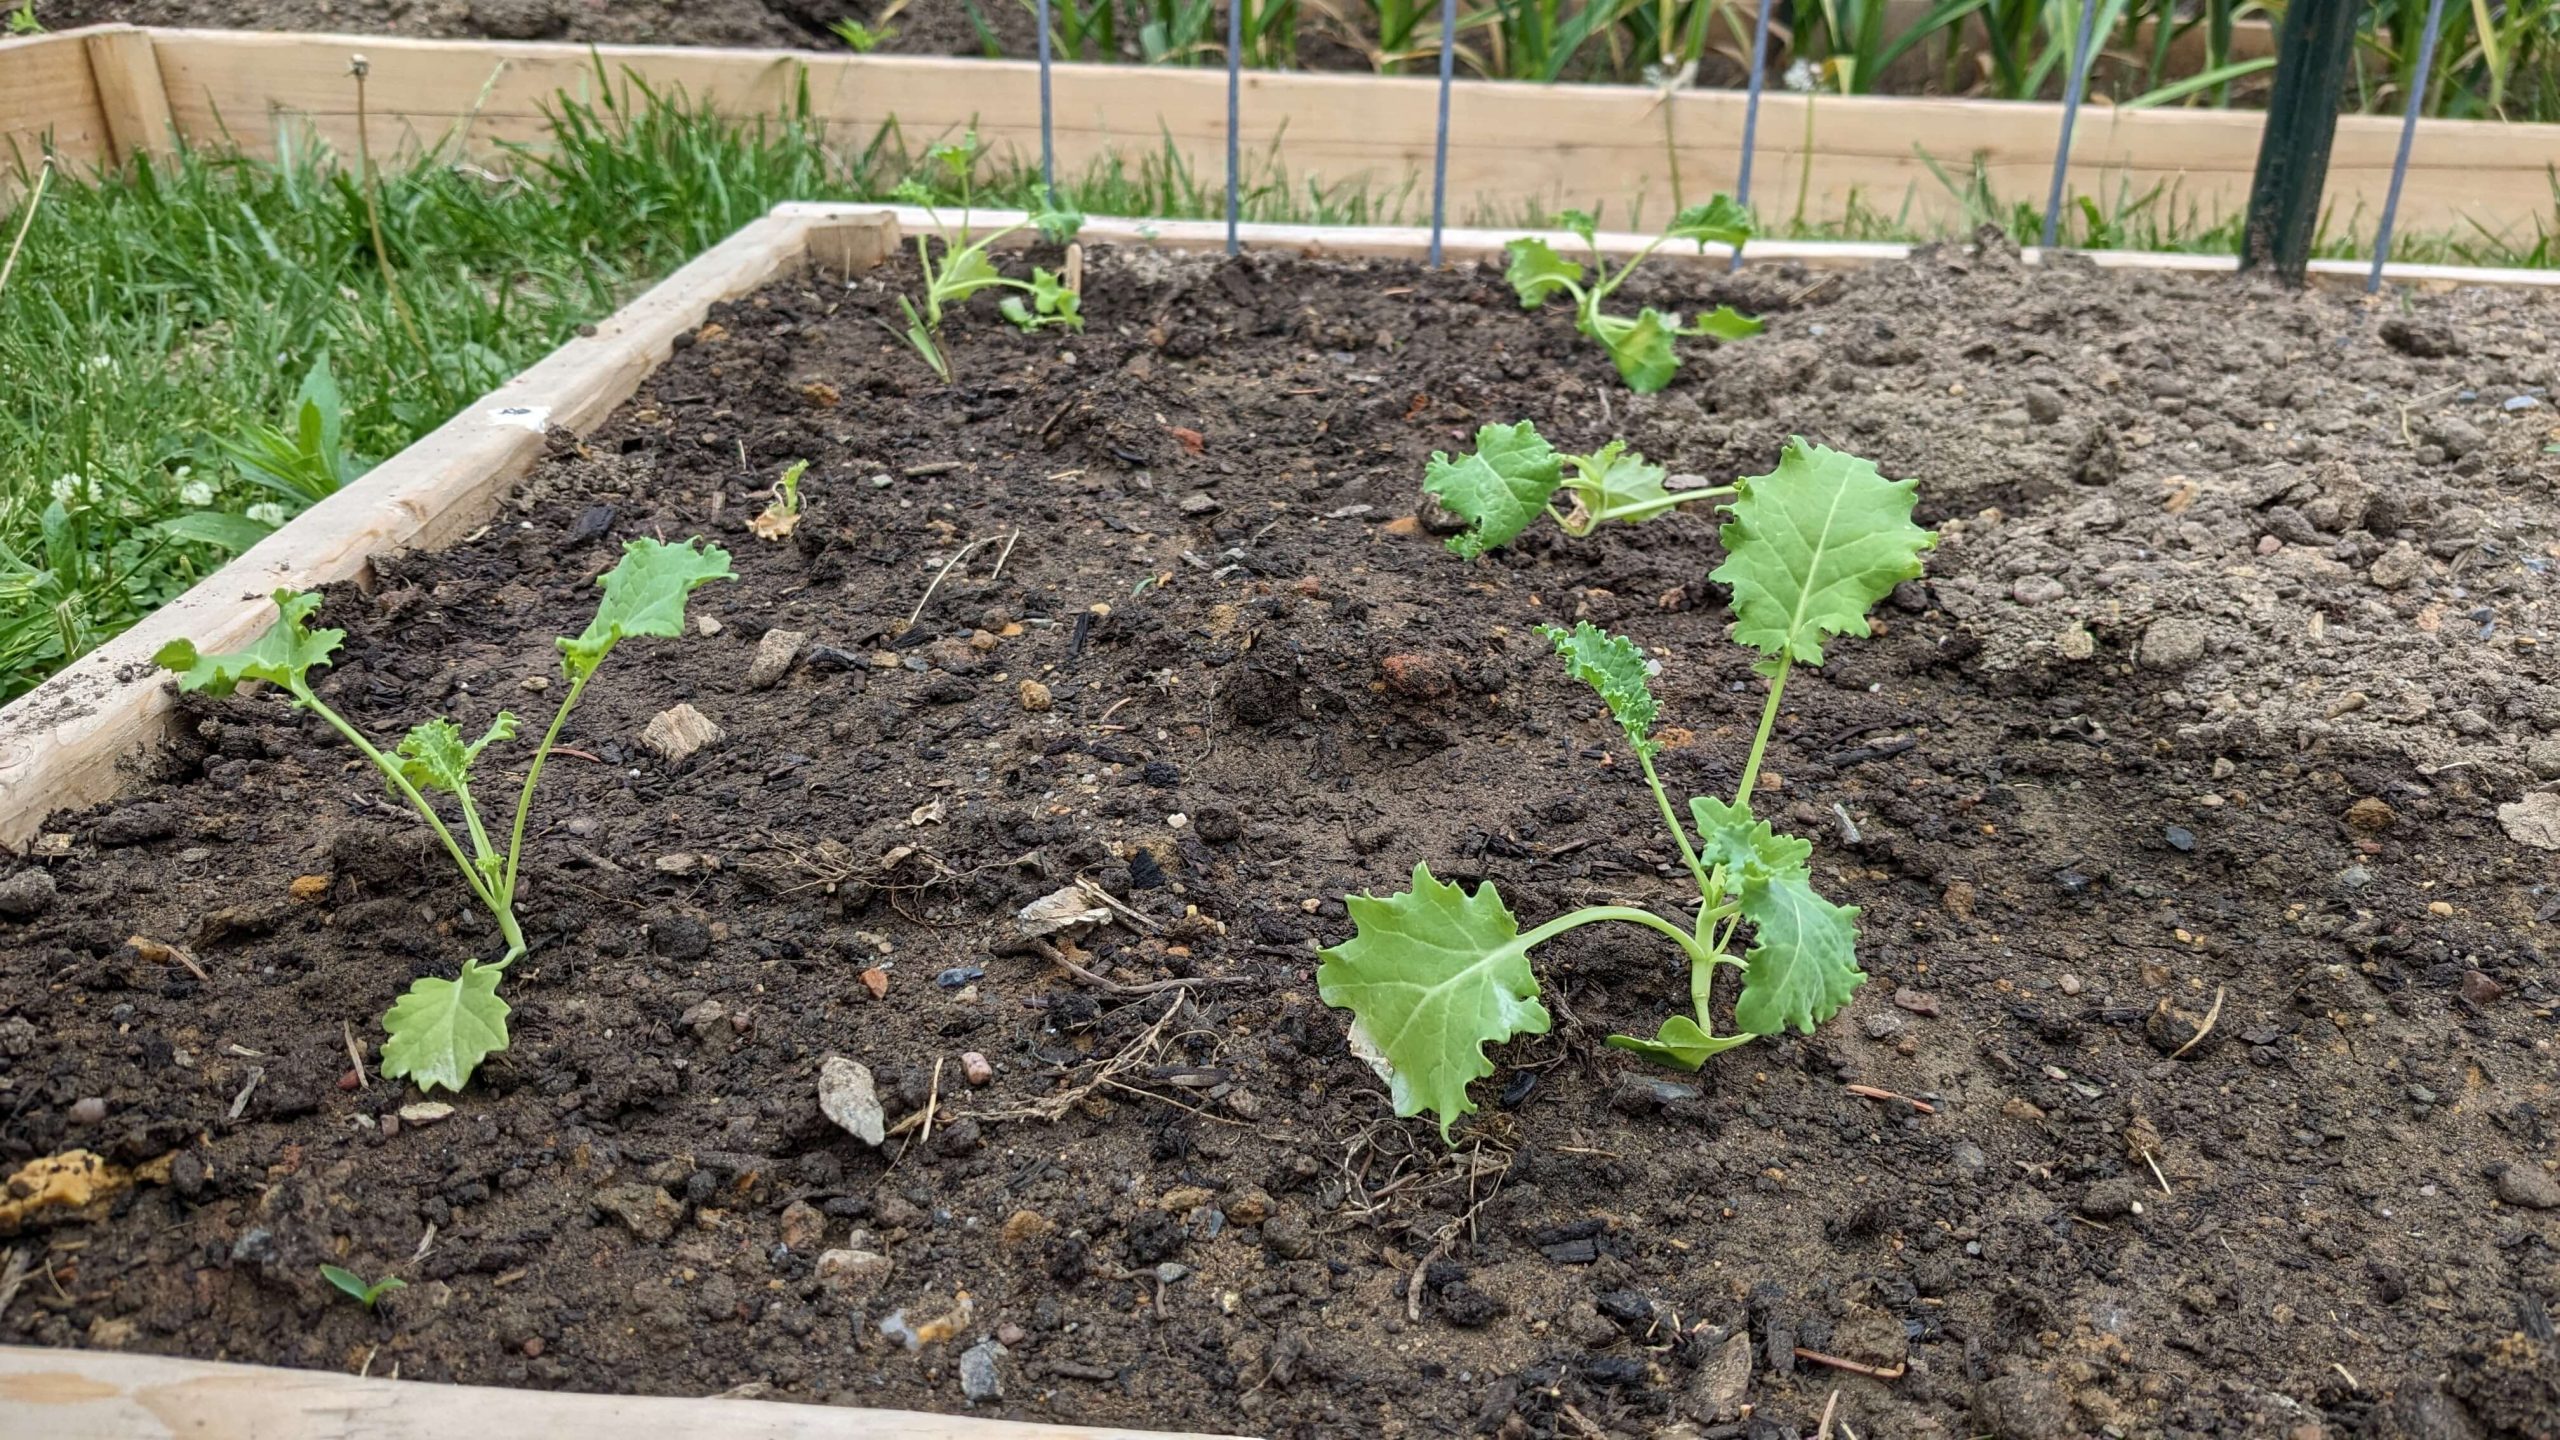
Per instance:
x=1048, y=145
x=2313, y=50
x=1440, y=147
x=2408, y=138
x=1751, y=113
x=2074, y=86
x=1235, y=89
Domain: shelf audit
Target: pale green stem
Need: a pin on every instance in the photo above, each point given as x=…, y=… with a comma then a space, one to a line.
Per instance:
x=533, y=772
x=1688, y=856
x=1760, y=741
x=391, y=771
x=1591, y=915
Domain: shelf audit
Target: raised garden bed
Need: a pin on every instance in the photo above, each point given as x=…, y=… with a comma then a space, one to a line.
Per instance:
x=2220, y=709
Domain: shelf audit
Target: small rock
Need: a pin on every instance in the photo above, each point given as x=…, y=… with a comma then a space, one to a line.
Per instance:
x=2108, y=1199
x=1035, y=696
x=2036, y=590
x=425, y=1112
x=649, y=1213
x=680, y=937
x=2427, y=339
x=1025, y=1227
x=847, y=1097
x=774, y=654
x=2172, y=1031
x=1249, y=1206
x=979, y=1380
x=88, y=1110
x=2528, y=1185
x=1589, y=1327
x=2458, y=436
x=1884, y=1025
x=26, y=895
x=1968, y=1157
x=2180, y=838
x=2542, y=757
x=1183, y=1199
x=2534, y=820
x=1200, y=503
x=958, y=976
x=803, y=1225
x=2479, y=989
x=1172, y=1272
x=975, y=1067
x=1289, y=1237
x=137, y=825
x=1725, y=1378
x=2370, y=815
x=1918, y=1002
x=2044, y=404
x=853, y=1276
x=2173, y=642
x=2396, y=567
x=675, y=734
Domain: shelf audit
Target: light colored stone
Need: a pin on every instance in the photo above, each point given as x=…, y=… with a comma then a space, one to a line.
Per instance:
x=2534, y=820
x=774, y=654
x=854, y=1276
x=2173, y=642
x=675, y=734
x=847, y=1097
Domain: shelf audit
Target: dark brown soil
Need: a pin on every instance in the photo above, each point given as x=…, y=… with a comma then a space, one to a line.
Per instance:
x=2233, y=649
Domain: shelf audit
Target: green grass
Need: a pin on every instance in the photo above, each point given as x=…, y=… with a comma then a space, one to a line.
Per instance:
x=162, y=321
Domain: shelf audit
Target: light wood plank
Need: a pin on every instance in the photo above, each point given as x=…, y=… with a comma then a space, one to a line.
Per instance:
x=1512, y=145
x=131, y=99
x=64, y=743
x=99, y=1395
x=49, y=97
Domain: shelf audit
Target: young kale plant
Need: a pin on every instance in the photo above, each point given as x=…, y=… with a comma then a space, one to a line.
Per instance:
x=1641, y=346
x=363, y=1292
x=1434, y=974
x=1513, y=477
x=781, y=515
x=442, y=1029
x=965, y=269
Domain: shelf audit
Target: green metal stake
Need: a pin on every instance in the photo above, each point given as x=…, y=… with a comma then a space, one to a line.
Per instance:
x=2313, y=51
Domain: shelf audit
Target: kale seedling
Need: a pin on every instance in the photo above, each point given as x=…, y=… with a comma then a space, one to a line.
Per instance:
x=442, y=1029
x=781, y=515
x=1513, y=476
x=1642, y=347
x=368, y=1295
x=1434, y=974
x=965, y=269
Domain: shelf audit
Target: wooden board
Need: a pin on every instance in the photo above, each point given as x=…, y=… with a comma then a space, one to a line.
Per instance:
x=131, y=100
x=64, y=743
x=1512, y=146
x=49, y=102
x=99, y=1395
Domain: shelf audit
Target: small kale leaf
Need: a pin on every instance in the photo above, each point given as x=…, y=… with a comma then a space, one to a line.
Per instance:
x=1681, y=1044
x=433, y=757
x=1537, y=272
x=1726, y=323
x=1614, y=666
x=1052, y=303
x=1433, y=976
x=1500, y=489
x=644, y=594
x=1745, y=845
x=442, y=1029
x=1616, y=483
x=1641, y=348
x=1811, y=546
x=282, y=656
x=1803, y=964
x=1720, y=221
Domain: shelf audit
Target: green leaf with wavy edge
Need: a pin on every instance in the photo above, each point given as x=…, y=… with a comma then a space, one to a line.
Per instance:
x=1537, y=271
x=1616, y=667
x=1052, y=303
x=1433, y=975
x=442, y=1029
x=1749, y=849
x=1811, y=546
x=1803, y=963
x=1720, y=221
x=1681, y=1044
x=964, y=273
x=1725, y=323
x=1616, y=483
x=644, y=594
x=282, y=656
x=1500, y=490
x=1641, y=348
x=433, y=756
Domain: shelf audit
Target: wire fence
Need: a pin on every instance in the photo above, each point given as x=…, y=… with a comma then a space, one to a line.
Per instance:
x=2075, y=92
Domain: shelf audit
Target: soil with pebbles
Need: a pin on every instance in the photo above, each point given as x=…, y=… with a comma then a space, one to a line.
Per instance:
x=2172, y=796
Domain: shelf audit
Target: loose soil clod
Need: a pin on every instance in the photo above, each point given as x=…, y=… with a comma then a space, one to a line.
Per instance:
x=2343, y=1168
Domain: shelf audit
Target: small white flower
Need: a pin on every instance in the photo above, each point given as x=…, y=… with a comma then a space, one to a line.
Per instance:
x=102, y=362
x=266, y=512
x=70, y=487
x=1802, y=77
x=198, y=493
